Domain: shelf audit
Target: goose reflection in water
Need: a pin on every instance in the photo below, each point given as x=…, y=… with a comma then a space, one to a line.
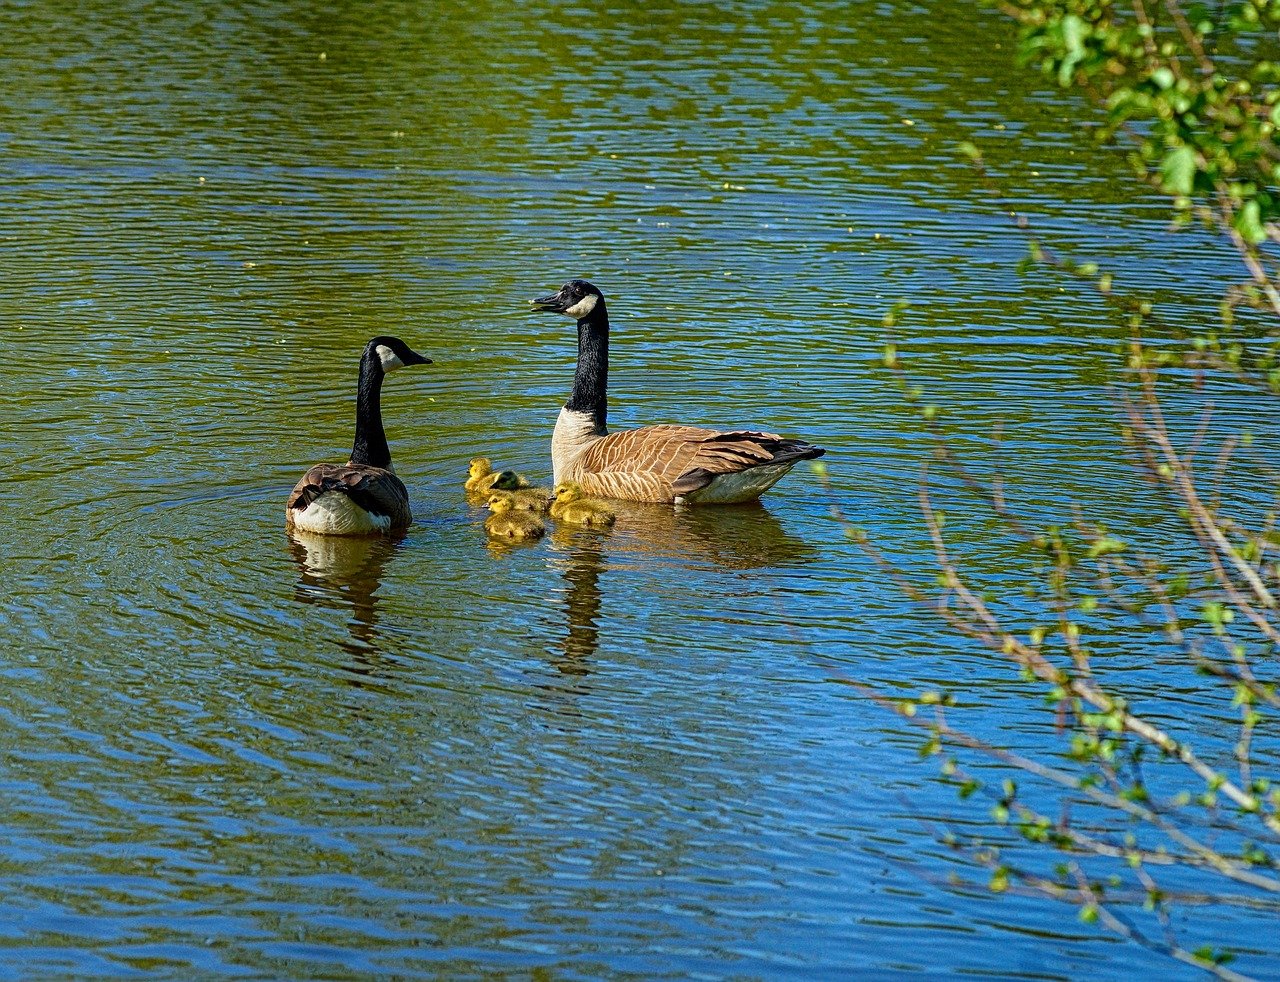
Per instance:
x=341, y=572
x=745, y=537
x=738, y=537
x=580, y=564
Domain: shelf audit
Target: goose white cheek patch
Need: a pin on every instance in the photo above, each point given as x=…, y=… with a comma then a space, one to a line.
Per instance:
x=389, y=358
x=583, y=307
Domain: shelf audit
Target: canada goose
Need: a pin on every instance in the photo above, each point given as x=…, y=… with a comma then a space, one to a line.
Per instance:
x=573, y=506
x=653, y=463
x=526, y=498
x=508, y=523
x=482, y=477
x=363, y=495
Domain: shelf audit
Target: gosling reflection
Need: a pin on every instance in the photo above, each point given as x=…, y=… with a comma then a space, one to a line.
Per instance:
x=341, y=572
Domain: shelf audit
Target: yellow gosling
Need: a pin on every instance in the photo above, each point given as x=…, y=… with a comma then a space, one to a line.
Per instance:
x=509, y=481
x=572, y=506
x=482, y=478
x=506, y=522
x=478, y=469
x=536, y=500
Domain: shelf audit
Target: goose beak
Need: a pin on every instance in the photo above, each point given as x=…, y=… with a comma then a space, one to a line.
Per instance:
x=554, y=303
x=416, y=359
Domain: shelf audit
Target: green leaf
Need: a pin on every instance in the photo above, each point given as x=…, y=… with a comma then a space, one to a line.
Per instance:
x=1178, y=171
x=1074, y=32
x=1249, y=223
x=1105, y=545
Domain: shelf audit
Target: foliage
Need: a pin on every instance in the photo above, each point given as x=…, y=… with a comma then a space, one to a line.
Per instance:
x=1137, y=812
x=1195, y=92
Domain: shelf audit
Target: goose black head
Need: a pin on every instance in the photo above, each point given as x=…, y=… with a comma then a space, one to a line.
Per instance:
x=575, y=299
x=392, y=353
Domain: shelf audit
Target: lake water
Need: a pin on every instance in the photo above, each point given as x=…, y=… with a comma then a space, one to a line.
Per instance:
x=224, y=752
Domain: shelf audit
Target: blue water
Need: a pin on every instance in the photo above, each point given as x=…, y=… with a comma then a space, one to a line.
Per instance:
x=644, y=753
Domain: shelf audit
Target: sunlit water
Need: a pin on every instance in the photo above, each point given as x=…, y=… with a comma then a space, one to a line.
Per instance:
x=226, y=752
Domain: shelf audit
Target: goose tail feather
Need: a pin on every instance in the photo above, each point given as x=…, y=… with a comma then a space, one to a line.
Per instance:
x=744, y=451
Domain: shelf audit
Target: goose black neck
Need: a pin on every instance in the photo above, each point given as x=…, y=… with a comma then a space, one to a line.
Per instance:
x=370, y=446
x=592, y=376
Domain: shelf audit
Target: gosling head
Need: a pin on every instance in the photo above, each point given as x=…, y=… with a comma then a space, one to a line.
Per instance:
x=568, y=491
x=500, y=503
x=392, y=353
x=576, y=299
x=507, y=481
x=480, y=466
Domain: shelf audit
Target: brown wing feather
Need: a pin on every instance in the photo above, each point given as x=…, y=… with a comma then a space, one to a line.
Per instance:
x=659, y=463
x=374, y=489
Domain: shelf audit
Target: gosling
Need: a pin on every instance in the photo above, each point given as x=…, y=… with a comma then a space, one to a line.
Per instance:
x=482, y=478
x=506, y=522
x=536, y=500
x=572, y=506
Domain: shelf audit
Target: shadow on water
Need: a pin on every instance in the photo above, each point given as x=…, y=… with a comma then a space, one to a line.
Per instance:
x=344, y=573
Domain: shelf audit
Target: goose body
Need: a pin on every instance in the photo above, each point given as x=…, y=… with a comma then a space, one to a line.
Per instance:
x=349, y=499
x=667, y=463
x=362, y=496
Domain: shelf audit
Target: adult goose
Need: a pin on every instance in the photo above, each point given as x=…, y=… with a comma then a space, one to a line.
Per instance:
x=362, y=496
x=653, y=463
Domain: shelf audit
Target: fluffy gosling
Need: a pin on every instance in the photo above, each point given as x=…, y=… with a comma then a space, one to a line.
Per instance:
x=482, y=479
x=506, y=522
x=537, y=500
x=480, y=475
x=572, y=506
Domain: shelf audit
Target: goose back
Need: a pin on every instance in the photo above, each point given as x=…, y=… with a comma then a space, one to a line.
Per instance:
x=666, y=462
x=349, y=499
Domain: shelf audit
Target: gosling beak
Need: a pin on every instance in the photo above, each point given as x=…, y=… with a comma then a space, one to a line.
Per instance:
x=554, y=303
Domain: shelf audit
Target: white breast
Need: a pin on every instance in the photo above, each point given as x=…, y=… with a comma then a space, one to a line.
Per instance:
x=333, y=513
x=574, y=432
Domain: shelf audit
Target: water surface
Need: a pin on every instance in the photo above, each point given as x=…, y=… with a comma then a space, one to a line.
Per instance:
x=226, y=752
